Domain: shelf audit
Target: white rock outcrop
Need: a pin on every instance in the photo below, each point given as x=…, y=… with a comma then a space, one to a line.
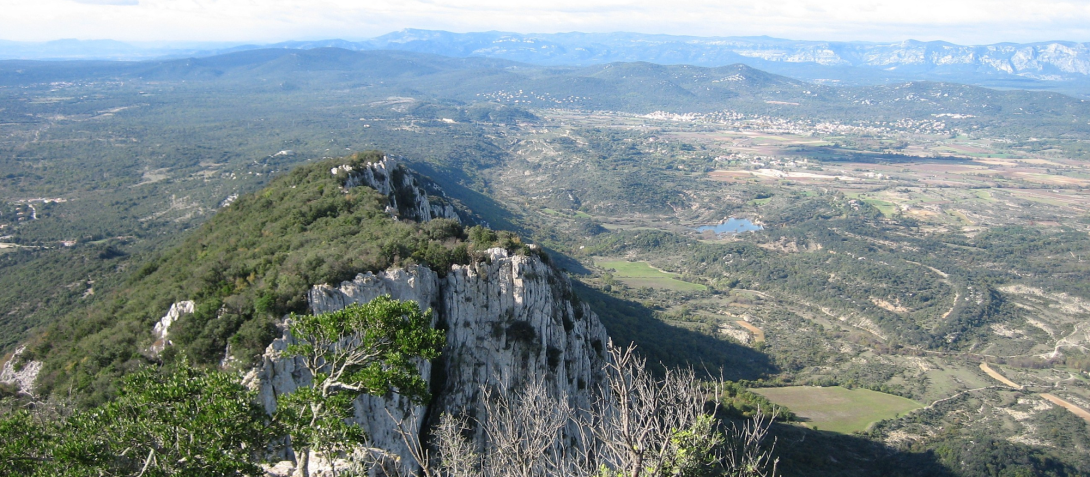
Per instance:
x=510, y=319
x=407, y=195
x=514, y=319
x=161, y=330
x=24, y=377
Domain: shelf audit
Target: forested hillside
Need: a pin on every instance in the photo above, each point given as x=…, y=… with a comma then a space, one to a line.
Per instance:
x=904, y=266
x=245, y=268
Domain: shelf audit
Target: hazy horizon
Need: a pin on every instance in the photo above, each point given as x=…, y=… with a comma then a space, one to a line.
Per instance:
x=227, y=44
x=965, y=22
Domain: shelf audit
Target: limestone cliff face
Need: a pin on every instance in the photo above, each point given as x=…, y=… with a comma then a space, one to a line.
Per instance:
x=278, y=375
x=408, y=194
x=514, y=319
x=510, y=319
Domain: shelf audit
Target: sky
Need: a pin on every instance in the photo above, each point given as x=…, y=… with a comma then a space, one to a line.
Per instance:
x=266, y=21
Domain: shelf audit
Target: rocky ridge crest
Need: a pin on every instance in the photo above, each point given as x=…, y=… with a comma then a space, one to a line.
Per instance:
x=510, y=320
x=408, y=194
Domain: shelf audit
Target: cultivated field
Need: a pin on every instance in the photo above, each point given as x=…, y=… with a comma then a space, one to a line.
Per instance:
x=838, y=409
x=642, y=274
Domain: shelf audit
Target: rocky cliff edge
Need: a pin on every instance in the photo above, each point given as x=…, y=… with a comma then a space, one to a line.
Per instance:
x=510, y=320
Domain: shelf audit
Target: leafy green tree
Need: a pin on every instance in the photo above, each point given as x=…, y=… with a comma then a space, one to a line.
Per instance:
x=362, y=349
x=182, y=422
x=24, y=443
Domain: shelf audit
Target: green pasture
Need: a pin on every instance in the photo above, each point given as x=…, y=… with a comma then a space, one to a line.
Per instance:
x=838, y=409
x=887, y=208
x=642, y=274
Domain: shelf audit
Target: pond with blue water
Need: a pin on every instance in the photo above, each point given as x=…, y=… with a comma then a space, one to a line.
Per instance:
x=731, y=226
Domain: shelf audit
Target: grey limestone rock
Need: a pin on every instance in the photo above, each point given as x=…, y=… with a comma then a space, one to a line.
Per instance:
x=23, y=377
x=510, y=320
x=161, y=330
x=277, y=375
x=408, y=196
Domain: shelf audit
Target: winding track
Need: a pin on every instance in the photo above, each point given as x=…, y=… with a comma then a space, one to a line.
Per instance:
x=1076, y=410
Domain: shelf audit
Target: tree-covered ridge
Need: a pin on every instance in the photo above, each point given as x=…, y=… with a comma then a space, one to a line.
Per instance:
x=247, y=266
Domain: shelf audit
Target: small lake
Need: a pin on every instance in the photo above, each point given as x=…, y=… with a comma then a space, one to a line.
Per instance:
x=731, y=226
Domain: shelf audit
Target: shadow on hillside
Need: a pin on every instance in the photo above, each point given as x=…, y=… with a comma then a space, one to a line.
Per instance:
x=498, y=217
x=630, y=322
x=567, y=263
x=810, y=453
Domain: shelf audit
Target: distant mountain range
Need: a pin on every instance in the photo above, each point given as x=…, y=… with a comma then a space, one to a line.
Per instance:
x=1058, y=65
x=70, y=49
x=408, y=77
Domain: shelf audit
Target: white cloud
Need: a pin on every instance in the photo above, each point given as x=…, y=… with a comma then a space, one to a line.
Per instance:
x=109, y=2
x=960, y=21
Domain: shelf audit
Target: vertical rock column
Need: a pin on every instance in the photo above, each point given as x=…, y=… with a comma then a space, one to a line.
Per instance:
x=513, y=320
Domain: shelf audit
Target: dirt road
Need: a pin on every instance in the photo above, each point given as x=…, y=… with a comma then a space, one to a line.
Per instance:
x=758, y=335
x=1076, y=410
x=998, y=377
